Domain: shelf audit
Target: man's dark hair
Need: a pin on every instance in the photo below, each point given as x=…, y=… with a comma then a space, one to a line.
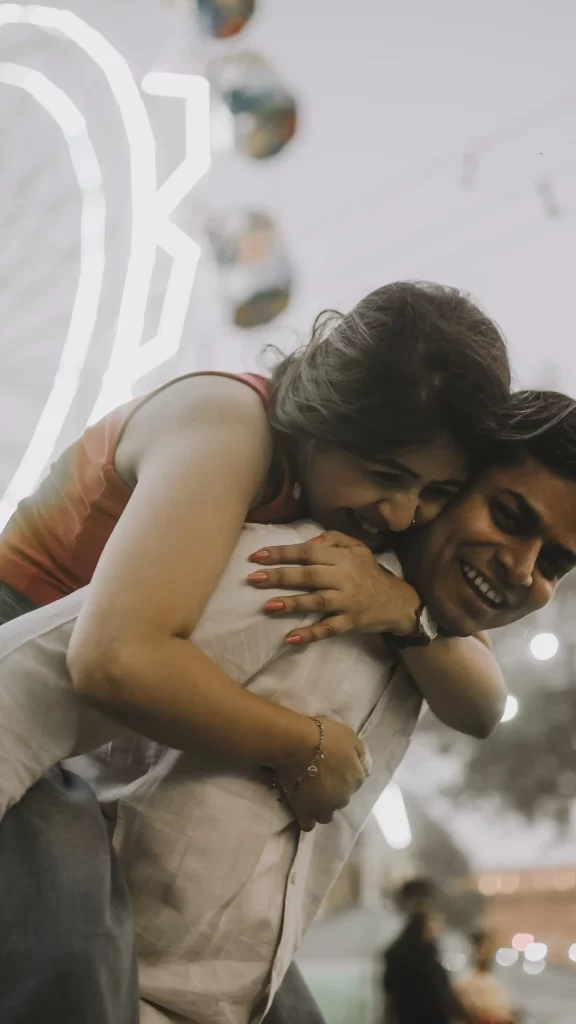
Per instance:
x=477, y=937
x=542, y=424
x=410, y=362
x=416, y=889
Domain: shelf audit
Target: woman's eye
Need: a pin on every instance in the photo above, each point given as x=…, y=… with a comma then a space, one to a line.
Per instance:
x=390, y=479
x=438, y=492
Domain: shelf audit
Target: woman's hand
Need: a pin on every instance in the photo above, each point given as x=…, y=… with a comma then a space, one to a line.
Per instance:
x=345, y=583
x=342, y=769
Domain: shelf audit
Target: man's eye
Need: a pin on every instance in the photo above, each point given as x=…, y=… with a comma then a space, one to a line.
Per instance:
x=551, y=568
x=548, y=569
x=390, y=479
x=504, y=517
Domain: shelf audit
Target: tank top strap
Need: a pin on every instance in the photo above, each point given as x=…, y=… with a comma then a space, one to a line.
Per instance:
x=101, y=441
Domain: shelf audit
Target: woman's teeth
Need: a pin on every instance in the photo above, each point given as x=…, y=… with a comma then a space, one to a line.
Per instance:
x=481, y=584
x=365, y=525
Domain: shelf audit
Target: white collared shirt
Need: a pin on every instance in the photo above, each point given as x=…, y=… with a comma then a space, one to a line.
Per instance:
x=222, y=881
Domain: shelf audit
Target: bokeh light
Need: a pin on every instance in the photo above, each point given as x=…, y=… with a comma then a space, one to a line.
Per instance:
x=511, y=708
x=534, y=968
x=521, y=940
x=509, y=883
x=563, y=881
x=488, y=885
x=390, y=813
x=544, y=646
x=454, y=961
x=505, y=957
x=535, y=951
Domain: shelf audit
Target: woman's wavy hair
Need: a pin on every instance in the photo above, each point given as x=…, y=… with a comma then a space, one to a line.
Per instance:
x=412, y=361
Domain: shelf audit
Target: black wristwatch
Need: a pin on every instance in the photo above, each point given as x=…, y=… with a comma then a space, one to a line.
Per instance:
x=426, y=631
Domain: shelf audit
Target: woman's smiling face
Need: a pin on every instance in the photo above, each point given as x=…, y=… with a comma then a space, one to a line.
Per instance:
x=371, y=501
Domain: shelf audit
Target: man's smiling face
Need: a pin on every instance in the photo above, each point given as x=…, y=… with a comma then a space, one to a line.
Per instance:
x=498, y=553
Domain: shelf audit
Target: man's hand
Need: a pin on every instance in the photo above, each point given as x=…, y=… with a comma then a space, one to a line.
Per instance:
x=345, y=583
x=342, y=769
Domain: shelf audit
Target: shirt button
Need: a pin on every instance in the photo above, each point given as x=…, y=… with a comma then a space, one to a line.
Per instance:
x=293, y=879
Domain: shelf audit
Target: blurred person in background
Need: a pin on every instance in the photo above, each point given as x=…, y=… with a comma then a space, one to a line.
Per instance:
x=369, y=430
x=416, y=985
x=482, y=996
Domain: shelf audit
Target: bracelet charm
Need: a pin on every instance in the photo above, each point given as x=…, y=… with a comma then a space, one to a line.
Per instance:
x=313, y=768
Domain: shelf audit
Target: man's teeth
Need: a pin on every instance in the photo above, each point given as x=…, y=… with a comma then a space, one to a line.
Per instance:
x=481, y=584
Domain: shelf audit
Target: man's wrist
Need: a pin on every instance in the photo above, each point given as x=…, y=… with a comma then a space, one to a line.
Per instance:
x=406, y=608
x=424, y=632
x=411, y=624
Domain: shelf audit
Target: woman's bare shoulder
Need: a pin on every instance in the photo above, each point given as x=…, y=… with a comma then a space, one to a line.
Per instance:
x=192, y=405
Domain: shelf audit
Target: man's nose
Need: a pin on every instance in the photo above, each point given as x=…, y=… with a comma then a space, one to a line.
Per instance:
x=519, y=562
x=399, y=512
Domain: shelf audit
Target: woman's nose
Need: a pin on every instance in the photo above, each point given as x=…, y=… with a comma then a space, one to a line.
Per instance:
x=399, y=513
x=426, y=512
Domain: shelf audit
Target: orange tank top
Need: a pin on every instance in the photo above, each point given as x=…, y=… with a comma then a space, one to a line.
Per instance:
x=51, y=545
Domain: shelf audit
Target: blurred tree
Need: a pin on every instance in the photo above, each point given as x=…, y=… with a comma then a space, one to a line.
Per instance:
x=529, y=762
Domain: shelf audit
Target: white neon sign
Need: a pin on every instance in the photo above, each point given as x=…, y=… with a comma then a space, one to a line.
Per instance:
x=129, y=358
x=185, y=253
x=86, y=301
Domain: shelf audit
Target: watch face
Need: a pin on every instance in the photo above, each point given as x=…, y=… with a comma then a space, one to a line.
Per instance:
x=429, y=627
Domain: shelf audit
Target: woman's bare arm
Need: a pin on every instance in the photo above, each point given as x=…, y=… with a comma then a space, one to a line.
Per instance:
x=200, y=453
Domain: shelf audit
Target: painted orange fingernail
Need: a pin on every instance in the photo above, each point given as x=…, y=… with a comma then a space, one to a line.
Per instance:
x=294, y=639
x=258, y=577
x=260, y=554
x=274, y=606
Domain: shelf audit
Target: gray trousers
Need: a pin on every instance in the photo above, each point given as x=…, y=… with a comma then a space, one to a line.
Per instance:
x=66, y=953
x=67, y=944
